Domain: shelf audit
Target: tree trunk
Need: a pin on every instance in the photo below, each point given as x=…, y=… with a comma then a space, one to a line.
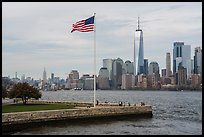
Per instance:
x=24, y=100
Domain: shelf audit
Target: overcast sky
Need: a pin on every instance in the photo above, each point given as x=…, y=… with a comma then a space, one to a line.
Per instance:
x=37, y=35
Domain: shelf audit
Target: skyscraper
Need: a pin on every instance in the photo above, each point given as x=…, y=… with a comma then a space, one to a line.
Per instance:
x=74, y=74
x=107, y=63
x=146, y=67
x=44, y=76
x=177, y=52
x=168, y=64
x=138, y=44
x=128, y=67
x=117, y=73
x=52, y=77
x=103, y=72
x=197, y=60
x=182, y=55
x=103, y=79
x=154, y=69
x=182, y=76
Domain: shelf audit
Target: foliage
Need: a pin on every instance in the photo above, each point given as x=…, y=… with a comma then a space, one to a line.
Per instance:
x=7, y=83
x=4, y=92
x=24, y=91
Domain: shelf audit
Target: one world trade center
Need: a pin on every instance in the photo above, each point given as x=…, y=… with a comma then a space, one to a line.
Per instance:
x=138, y=51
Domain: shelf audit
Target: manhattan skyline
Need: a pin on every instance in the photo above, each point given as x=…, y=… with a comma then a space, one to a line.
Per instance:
x=37, y=35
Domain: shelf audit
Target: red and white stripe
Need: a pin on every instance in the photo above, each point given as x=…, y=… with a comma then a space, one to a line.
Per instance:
x=80, y=26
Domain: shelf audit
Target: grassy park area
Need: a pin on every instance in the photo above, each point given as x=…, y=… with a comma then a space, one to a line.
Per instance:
x=33, y=107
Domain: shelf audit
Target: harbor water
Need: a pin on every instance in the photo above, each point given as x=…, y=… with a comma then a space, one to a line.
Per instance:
x=174, y=113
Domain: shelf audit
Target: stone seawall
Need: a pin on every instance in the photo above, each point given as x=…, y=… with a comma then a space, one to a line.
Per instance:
x=83, y=112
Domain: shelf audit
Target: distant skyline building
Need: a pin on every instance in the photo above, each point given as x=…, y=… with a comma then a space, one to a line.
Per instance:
x=168, y=64
x=128, y=67
x=117, y=73
x=103, y=79
x=126, y=81
x=197, y=60
x=107, y=63
x=146, y=67
x=44, y=76
x=182, y=76
x=182, y=56
x=192, y=66
x=103, y=72
x=163, y=72
x=23, y=78
x=52, y=77
x=177, y=52
x=74, y=74
x=138, y=50
x=154, y=69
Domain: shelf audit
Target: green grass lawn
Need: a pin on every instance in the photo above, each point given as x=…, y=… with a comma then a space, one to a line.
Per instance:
x=33, y=107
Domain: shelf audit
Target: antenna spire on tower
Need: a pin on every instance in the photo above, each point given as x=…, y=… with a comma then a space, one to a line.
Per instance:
x=138, y=25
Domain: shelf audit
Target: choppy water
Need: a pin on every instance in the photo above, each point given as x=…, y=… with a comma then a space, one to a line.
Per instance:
x=174, y=113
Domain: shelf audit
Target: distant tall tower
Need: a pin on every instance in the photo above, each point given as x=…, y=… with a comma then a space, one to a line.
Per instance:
x=168, y=64
x=138, y=44
x=16, y=75
x=52, y=77
x=44, y=76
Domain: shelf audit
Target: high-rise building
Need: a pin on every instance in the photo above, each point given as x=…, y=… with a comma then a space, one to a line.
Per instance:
x=154, y=69
x=138, y=50
x=168, y=64
x=52, y=77
x=117, y=73
x=182, y=76
x=23, y=78
x=182, y=55
x=192, y=66
x=107, y=63
x=163, y=72
x=126, y=81
x=197, y=60
x=16, y=75
x=196, y=80
x=146, y=67
x=73, y=79
x=103, y=72
x=44, y=76
x=128, y=67
x=103, y=79
x=89, y=83
x=177, y=52
x=74, y=74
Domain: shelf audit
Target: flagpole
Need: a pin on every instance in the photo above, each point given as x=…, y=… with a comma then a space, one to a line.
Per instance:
x=94, y=59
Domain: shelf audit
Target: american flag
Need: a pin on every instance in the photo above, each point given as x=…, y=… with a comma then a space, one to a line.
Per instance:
x=84, y=25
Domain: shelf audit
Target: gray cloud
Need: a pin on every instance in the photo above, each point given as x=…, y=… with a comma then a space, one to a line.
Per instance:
x=39, y=33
